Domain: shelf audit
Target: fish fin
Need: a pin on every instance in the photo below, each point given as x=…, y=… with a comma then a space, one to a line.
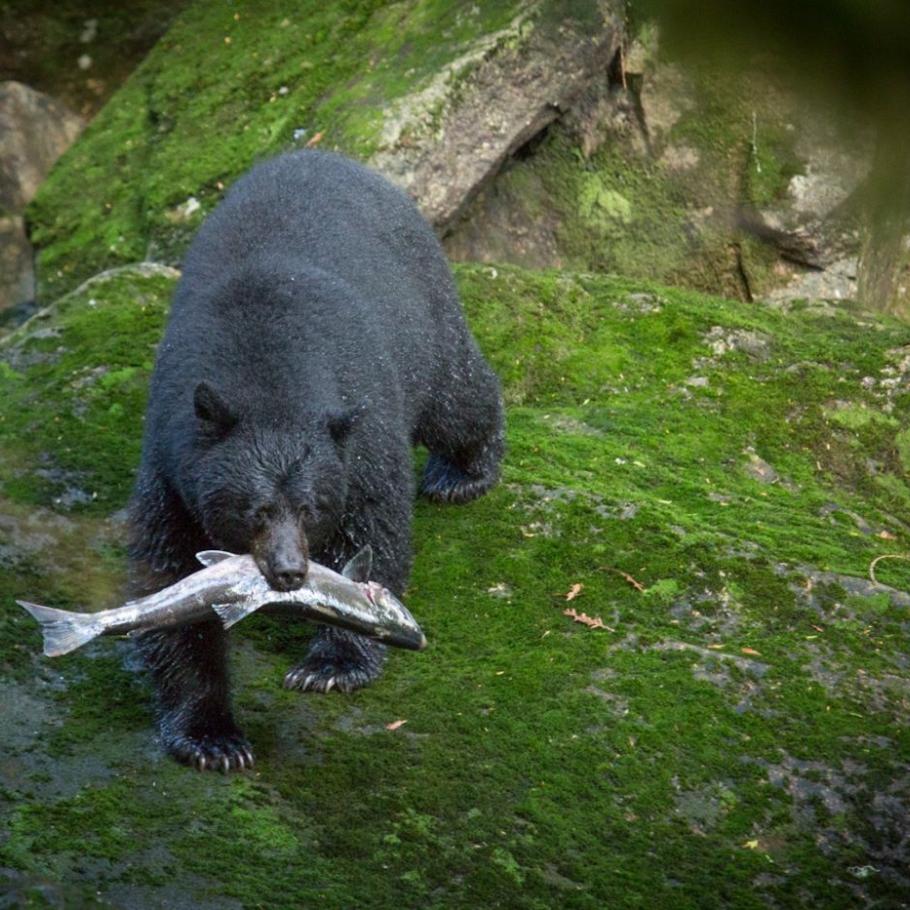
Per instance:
x=360, y=565
x=230, y=614
x=63, y=631
x=210, y=557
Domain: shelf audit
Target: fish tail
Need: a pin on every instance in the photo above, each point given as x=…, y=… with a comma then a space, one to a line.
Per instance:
x=63, y=630
x=232, y=613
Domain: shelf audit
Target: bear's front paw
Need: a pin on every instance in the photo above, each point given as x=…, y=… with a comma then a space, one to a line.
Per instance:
x=226, y=751
x=337, y=660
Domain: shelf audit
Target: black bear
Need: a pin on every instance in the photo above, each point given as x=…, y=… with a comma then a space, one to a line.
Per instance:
x=315, y=336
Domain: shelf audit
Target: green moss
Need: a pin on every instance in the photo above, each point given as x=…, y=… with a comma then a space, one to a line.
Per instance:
x=664, y=590
x=733, y=718
x=902, y=441
x=72, y=410
x=603, y=208
x=854, y=416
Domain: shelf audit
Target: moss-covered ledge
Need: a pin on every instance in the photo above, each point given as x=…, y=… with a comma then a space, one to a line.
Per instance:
x=717, y=477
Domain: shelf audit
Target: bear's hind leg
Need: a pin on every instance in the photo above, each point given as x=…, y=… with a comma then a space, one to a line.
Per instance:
x=189, y=670
x=464, y=431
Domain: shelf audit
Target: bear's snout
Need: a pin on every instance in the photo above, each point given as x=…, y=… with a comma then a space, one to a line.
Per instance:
x=281, y=554
x=285, y=570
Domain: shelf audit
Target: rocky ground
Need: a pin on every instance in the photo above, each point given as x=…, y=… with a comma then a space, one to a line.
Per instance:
x=667, y=662
x=709, y=479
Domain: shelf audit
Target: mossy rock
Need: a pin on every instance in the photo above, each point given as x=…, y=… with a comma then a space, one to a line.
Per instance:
x=732, y=738
x=682, y=175
x=231, y=84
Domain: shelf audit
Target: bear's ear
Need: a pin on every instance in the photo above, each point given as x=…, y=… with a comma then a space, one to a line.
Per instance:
x=340, y=423
x=212, y=409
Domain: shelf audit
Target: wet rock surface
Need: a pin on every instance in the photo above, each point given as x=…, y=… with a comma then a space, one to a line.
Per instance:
x=659, y=673
x=738, y=694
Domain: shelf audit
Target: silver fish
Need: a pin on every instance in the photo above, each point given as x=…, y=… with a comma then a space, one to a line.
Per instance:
x=233, y=587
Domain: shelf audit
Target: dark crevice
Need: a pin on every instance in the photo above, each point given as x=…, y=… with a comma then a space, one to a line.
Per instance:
x=528, y=148
x=616, y=71
x=790, y=246
x=742, y=274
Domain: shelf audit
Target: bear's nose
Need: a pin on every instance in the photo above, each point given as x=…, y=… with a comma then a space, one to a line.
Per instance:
x=289, y=579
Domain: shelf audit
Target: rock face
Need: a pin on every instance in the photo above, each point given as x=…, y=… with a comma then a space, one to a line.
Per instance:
x=710, y=180
x=445, y=142
x=35, y=130
x=535, y=133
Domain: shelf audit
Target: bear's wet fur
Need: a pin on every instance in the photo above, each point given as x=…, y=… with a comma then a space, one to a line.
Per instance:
x=315, y=336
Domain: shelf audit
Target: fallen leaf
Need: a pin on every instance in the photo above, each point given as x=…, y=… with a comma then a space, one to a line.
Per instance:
x=574, y=591
x=632, y=581
x=395, y=724
x=751, y=844
x=751, y=651
x=317, y=138
x=592, y=622
x=887, y=535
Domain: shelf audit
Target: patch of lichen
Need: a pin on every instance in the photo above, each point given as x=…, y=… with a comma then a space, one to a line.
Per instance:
x=226, y=86
x=733, y=718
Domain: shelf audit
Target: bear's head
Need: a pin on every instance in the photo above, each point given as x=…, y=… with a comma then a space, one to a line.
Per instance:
x=263, y=487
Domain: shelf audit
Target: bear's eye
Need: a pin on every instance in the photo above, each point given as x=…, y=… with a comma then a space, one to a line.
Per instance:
x=262, y=516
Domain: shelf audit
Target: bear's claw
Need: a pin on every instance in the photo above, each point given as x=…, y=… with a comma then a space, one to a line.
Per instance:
x=327, y=679
x=337, y=660
x=209, y=752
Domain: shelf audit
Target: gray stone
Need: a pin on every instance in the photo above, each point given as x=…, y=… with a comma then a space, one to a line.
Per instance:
x=35, y=130
x=443, y=143
x=17, y=273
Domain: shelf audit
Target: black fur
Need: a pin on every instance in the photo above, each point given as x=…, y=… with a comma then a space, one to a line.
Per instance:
x=315, y=335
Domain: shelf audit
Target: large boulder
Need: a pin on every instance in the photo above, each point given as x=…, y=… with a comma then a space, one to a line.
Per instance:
x=444, y=142
x=35, y=130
